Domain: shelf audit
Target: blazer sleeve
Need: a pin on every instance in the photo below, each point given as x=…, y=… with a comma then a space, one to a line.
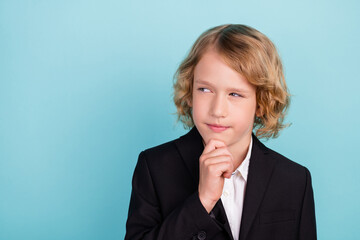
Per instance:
x=307, y=229
x=145, y=221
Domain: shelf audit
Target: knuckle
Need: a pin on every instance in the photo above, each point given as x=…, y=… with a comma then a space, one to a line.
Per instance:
x=225, y=151
x=215, y=141
x=229, y=164
x=212, y=140
x=211, y=168
x=206, y=163
x=228, y=155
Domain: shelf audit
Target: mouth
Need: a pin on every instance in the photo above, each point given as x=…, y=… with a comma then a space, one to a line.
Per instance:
x=217, y=128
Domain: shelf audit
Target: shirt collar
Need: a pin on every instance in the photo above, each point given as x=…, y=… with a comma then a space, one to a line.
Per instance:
x=244, y=166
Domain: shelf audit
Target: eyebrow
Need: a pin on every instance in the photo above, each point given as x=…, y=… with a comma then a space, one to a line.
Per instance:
x=199, y=81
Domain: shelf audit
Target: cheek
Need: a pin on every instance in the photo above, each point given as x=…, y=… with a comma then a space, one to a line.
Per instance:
x=245, y=112
x=196, y=103
x=196, y=111
x=199, y=110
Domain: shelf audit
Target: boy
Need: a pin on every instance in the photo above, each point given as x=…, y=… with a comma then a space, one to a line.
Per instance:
x=219, y=181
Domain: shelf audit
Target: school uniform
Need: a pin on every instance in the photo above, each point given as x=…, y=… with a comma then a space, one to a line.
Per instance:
x=165, y=204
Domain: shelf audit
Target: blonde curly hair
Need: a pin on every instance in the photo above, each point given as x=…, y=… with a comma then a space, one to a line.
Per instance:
x=250, y=53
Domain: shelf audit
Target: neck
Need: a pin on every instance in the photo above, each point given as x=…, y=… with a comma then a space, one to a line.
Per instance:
x=239, y=151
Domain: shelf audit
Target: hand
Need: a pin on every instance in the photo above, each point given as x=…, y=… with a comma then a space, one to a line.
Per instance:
x=216, y=163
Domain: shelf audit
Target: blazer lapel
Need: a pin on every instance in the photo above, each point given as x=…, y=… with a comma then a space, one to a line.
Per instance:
x=190, y=147
x=260, y=170
x=221, y=218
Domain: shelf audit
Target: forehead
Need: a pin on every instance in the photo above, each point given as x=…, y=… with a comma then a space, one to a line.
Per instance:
x=213, y=70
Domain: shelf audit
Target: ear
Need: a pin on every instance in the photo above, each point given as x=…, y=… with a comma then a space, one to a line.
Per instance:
x=189, y=102
x=259, y=111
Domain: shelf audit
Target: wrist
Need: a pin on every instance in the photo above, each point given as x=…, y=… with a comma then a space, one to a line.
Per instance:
x=207, y=203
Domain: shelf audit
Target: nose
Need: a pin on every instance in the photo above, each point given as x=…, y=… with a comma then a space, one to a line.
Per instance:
x=219, y=108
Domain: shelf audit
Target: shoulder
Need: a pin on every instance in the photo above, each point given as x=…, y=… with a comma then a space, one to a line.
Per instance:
x=187, y=147
x=283, y=161
x=287, y=169
x=284, y=169
x=162, y=151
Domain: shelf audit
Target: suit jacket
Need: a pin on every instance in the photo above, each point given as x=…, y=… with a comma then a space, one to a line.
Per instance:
x=164, y=202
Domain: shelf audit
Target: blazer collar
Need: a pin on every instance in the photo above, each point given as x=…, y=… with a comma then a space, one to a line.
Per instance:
x=190, y=147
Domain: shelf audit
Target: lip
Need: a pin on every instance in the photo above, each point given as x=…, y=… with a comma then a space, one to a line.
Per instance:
x=217, y=128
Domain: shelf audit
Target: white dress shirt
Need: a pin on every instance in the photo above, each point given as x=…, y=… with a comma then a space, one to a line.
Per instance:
x=234, y=192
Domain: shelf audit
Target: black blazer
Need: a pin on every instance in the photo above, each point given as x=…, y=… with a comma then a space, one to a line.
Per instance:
x=164, y=203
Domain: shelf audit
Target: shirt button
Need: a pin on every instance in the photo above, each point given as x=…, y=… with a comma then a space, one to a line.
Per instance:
x=201, y=235
x=226, y=193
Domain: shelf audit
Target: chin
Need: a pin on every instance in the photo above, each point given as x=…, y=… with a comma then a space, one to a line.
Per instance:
x=208, y=137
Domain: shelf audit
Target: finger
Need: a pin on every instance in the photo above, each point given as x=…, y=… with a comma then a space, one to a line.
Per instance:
x=212, y=145
x=217, y=152
x=217, y=159
x=220, y=169
x=227, y=174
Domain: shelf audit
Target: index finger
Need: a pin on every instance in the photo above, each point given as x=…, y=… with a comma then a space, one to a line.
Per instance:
x=213, y=144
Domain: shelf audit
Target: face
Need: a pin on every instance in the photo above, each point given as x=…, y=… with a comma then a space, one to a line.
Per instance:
x=223, y=102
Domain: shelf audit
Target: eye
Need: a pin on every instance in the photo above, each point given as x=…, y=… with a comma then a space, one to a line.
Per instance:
x=203, y=90
x=235, y=95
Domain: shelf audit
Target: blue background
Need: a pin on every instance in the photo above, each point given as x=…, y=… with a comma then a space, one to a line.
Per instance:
x=86, y=85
